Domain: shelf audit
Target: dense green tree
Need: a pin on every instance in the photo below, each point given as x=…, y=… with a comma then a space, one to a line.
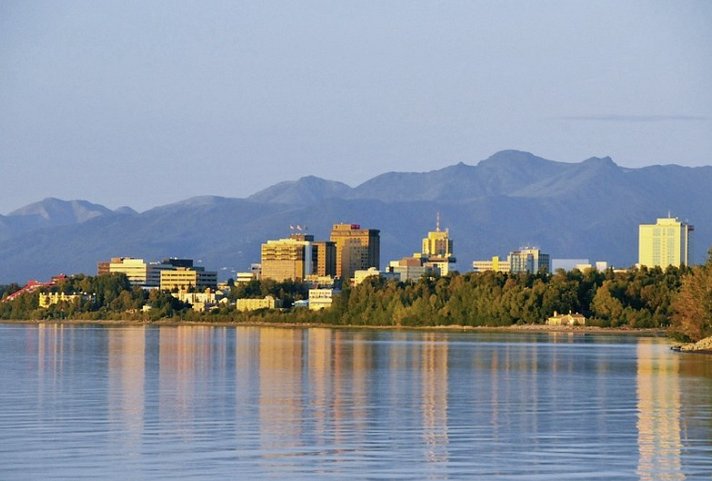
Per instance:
x=692, y=307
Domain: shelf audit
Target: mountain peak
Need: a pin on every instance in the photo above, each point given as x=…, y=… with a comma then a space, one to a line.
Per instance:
x=53, y=211
x=603, y=161
x=307, y=189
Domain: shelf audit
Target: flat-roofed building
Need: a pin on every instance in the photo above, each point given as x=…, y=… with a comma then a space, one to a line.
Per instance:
x=139, y=272
x=102, y=268
x=529, y=259
x=135, y=269
x=495, y=264
x=200, y=301
x=185, y=278
x=284, y=259
x=267, y=302
x=668, y=242
x=324, y=258
x=410, y=268
x=321, y=298
x=356, y=249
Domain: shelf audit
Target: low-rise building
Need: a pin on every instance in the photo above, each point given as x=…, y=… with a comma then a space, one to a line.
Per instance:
x=139, y=272
x=529, y=259
x=566, y=319
x=187, y=278
x=411, y=268
x=362, y=275
x=268, y=302
x=200, y=301
x=321, y=298
x=50, y=298
x=495, y=264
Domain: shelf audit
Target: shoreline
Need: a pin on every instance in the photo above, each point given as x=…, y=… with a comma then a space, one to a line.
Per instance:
x=528, y=328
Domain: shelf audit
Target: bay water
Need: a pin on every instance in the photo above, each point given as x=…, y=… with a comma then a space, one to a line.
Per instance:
x=200, y=402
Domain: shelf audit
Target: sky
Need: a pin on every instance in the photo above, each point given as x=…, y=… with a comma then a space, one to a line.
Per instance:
x=146, y=103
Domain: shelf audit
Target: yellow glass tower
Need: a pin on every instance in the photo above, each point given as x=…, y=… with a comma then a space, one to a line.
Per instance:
x=665, y=243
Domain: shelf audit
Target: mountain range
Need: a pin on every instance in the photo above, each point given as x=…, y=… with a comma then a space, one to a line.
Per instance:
x=589, y=209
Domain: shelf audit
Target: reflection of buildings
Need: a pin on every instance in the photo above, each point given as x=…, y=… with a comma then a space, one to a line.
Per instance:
x=280, y=402
x=319, y=352
x=434, y=396
x=658, y=392
x=184, y=356
x=126, y=371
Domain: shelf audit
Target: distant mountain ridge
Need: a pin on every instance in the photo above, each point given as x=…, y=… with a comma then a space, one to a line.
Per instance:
x=571, y=210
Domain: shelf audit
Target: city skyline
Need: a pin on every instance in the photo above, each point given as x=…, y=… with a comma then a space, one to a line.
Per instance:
x=114, y=102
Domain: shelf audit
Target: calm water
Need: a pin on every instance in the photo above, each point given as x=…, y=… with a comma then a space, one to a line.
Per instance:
x=247, y=403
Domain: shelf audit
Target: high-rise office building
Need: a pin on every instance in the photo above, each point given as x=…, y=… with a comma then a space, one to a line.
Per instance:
x=324, y=258
x=139, y=272
x=529, y=259
x=668, y=242
x=437, y=250
x=290, y=258
x=356, y=249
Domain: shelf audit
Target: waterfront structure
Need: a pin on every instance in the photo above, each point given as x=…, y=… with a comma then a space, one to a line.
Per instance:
x=668, y=242
x=47, y=299
x=321, y=298
x=200, y=301
x=437, y=250
x=356, y=249
x=569, y=319
x=495, y=264
x=269, y=302
x=529, y=259
x=186, y=278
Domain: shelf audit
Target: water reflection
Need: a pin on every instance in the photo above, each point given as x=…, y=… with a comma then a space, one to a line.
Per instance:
x=658, y=391
x=280, y=402
x=127, y=366
x=434, y=374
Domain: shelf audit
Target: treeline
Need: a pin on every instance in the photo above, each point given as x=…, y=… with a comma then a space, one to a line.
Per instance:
x=637, y=298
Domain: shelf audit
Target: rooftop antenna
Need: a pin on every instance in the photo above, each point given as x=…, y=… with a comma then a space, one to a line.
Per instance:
x=437, y=222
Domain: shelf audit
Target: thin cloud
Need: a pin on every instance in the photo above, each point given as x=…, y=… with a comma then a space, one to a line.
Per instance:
x=635, y=118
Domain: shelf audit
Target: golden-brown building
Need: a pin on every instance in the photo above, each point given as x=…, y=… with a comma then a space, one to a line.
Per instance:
x=268, y=302
x=298, y=257
x=284, y=259
x=356, y=249
x=566, y=319
x=50, y=298
x=185, y=278
x=324, y=258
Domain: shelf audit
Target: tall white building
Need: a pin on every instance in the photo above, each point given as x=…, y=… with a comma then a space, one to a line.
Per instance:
x=666, y=243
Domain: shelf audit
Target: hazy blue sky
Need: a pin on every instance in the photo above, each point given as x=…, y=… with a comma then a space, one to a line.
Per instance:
x=147, y=102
